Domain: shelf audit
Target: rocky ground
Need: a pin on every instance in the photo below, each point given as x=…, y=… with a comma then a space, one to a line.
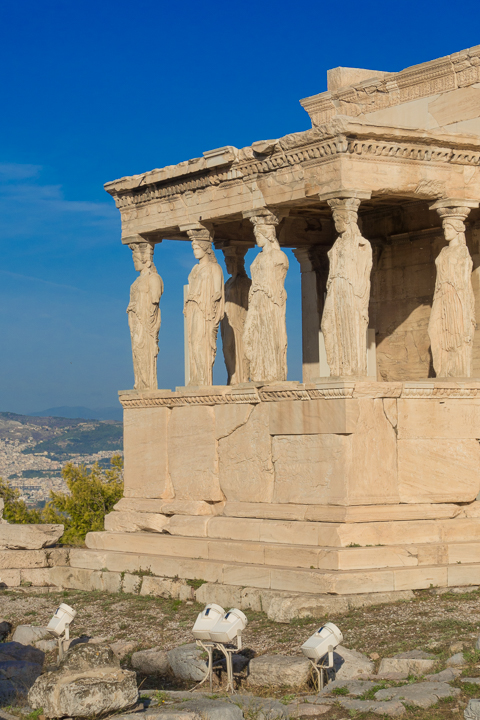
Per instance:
x=442, y=624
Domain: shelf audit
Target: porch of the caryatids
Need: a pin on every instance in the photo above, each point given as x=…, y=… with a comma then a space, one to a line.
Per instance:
x=144, y=314
x=237, y=289
x=452, y=323
x=265, y=334
x=204, y=306
x=345, y=313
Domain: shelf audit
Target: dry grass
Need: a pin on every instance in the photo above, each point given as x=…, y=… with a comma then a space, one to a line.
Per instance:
x=429, y=622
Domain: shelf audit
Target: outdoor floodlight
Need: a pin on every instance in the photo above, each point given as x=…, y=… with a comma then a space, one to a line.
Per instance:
x=59, y=626
x=63, y=618
x=324, y=640
x=229, y=627
x=206, y=621
x=319, y=650
x=215, y=629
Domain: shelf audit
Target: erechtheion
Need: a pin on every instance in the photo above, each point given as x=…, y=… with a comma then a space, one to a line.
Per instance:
x=361, y=476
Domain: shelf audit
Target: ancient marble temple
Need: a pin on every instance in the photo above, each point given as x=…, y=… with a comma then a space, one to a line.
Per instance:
x=362, y=475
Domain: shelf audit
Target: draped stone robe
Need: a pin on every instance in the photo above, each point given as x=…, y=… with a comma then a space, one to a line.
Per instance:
x=144, y=321
x=236, y=303
x=452, y=321
x=204, y=308
x=265, y=335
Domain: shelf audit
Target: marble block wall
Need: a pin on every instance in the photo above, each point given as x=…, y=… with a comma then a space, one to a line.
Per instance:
x=381, y=443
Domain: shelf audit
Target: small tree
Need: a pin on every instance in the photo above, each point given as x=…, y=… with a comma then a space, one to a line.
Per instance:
x=16, y=510
x=93, y=493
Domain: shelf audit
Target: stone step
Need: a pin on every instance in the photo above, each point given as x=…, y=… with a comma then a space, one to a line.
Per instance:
x=291, y=532
x=299, y=580
x=297, y=556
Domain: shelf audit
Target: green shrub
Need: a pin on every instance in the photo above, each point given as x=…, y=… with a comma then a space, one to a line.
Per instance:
x=92, y=494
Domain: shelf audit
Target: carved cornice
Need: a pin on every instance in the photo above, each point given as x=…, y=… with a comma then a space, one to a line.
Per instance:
x=327, y=391
x=377, y=93
x=426, y=149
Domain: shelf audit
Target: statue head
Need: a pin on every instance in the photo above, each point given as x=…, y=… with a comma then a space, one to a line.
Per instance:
x=453, y=221
x=202, y=248
x=264, y=230
x=345, y=214
x=142, y=255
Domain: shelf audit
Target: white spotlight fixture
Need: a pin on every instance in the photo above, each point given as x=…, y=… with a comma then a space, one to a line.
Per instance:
x=216, y=629
x=59, y=626
x=319, y=649
x=206, y=621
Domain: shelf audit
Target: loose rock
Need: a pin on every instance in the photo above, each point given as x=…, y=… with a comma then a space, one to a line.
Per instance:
x=28, y=634
x=187, y=663
x=88, y=682
x=415, y=662
x=151, y=662
x=122, y=648
x=29, y=537
x=472, y=711
x=456, y=659
x=392, y=708
x=278, y=671
x=214, y=709
x=350, y=664
x=422, y=695
x=355, y=687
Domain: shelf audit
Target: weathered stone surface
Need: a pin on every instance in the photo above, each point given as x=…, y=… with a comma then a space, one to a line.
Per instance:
x=122, y=648
x=260, y=708
x=151, y=662
x=393, y=708
x=440, y=460
x=88, y=682
x=187, y=663
x=245, y=456
x=456, y=659
x=448, y=675
x=193, y=466
x=23, y=559
x=278, y=671
x=355, y=687
x=472, y=711
x=422, y=695
x=214, y=709
x=29, y=537
x=350, y=664
x=310, y=468
x=28, y=634
x=129, y=521
x=306, y=710
x=20, y=666
x=5, y=629
x=145, y=448
x=415, y=662
x=474, y=680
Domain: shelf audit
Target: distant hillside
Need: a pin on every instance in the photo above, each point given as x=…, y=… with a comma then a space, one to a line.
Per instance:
x=61, y=437
x=67, y=411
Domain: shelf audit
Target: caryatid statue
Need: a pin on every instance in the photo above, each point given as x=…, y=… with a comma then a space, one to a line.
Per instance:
x=204, y=308
x=452, y=321
x=265, y=334
x=144, y=316
x=232, y=326
x=345, y=313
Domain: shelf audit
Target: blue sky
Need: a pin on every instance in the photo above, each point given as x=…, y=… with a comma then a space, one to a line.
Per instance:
x=93, y=91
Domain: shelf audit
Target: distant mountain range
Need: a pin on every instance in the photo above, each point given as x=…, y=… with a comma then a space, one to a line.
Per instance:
x=68, y=411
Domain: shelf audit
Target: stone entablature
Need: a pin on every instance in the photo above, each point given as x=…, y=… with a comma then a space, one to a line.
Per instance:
x=459, y=70
x=226, y=395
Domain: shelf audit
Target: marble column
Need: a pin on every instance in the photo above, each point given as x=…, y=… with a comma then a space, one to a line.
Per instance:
x=144, y=315
x=237, y=289
x=345, y=314
x=310, y=315
x=265, y=334
x=204, y=307
x=452, y=321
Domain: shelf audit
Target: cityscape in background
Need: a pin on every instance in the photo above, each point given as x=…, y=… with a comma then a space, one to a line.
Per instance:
x=34, y=449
